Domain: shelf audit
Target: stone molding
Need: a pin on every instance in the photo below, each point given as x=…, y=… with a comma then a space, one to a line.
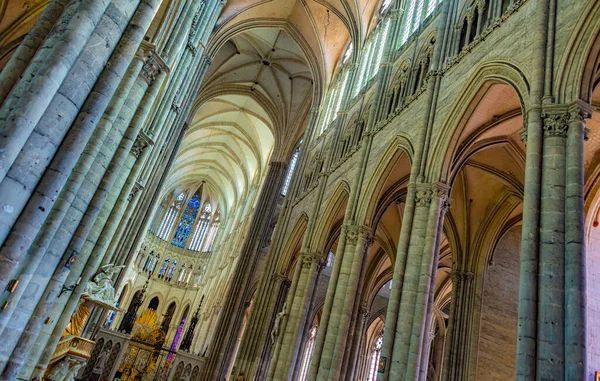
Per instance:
x=312, y=258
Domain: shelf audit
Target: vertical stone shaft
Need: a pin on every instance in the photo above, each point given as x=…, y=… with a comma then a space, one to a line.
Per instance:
x=300, y=304
x=280, y=351
x=427, y=273
x=78, y=243
x=342, y=317
x=528, y=278
x=106, y=83
x=550, y=329
x=231, y=317
x=393, y=309
x=319, y=347
x=22, y=57
x=36, y=212
x=575, y=320
x=25, y=105
x=81, y=132
x=457, y=355
x=399, y=358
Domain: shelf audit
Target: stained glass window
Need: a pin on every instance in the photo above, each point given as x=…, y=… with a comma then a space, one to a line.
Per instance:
x=288, y=177
x=308, y=351
x=376, y=352
x=172, y=270
x=164, y=267
x=187, y=222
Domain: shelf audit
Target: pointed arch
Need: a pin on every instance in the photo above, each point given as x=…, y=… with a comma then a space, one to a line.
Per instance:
x=332, y=208
x=446, y=145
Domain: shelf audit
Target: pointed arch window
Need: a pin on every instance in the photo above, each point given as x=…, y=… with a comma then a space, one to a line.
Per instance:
x=417, y=11
x=187, y=222
x=201, y=228
x=169, y=220
x=212, y=234
x=308, y=351
x=375, y=354
x=290, y=172
x=160, y=213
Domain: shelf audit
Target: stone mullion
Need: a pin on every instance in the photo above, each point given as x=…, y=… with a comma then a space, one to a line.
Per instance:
x=18, y=62
x=550, y=329
x=393, y=309
x=44, y=75
x=575, y=324
x=296, y=320
x=35, y=213
x=228, y=328
x=153, y=174
x=85, y=236
x=327, y=307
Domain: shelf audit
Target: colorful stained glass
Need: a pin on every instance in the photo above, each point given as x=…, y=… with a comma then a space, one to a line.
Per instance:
x=187, y=222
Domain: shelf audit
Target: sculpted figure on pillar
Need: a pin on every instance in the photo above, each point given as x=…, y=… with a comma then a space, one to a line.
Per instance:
x=277, y=323
x=100, y=289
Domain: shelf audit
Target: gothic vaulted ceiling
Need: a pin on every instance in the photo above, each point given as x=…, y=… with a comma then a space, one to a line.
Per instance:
x=270, y=59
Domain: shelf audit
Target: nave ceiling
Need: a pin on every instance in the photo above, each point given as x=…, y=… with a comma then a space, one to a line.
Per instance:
x=270, y=59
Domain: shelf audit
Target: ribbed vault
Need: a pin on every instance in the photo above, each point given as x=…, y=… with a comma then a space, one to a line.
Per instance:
x=252, y=108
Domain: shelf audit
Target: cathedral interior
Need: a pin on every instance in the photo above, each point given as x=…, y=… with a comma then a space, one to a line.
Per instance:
x=299, y=190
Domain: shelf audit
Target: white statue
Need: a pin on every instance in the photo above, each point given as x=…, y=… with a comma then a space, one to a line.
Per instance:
x=277, y=323
x=60, y=370
x=101, y=287
x=73, y=371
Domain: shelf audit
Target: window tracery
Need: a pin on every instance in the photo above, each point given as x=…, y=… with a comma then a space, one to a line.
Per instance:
x=170, y=217
x=201, y=228
x=187, y=222
x=308, y=351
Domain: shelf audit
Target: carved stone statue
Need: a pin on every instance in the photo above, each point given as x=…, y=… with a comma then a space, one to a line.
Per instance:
x=60, y=370
x=73, y=371
x=100, y=288
x=277, y=323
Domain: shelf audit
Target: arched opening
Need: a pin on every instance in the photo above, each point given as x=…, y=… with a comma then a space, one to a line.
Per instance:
x=168, y=316
x=487, y=181
x=153, y=305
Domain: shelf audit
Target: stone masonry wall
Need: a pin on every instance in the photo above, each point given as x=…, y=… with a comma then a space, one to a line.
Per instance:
x=498, y=336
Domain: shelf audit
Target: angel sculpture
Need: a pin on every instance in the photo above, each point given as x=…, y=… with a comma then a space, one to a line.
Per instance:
x=101, y=287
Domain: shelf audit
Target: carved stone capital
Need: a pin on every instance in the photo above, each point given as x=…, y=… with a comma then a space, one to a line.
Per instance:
x=153, y=66
x=555, y=123
x=356, y=232
x=141, y=142
x=311, y=258
x=458, y=276
x=136, y=188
